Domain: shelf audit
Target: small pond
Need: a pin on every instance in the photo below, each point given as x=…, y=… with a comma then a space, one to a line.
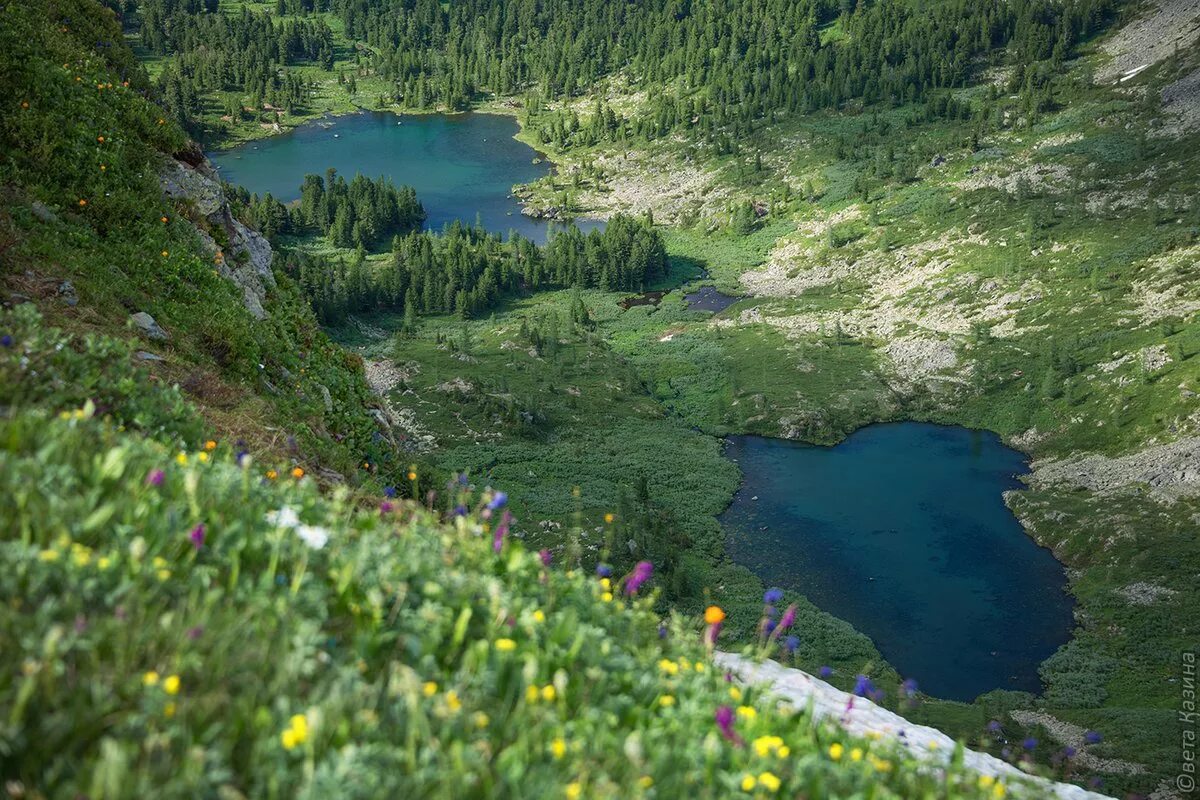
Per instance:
x=707, y=298
x=902, y=531
x=463, y=166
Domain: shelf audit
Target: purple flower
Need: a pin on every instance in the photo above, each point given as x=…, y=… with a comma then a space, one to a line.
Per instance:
x=196, y=632
x=463, y=479
x=662, y=631
x=789, y=616
x=1093, y=737
x=825, y=672
x=6, y=340
x=994, y=726
x=197, y=536
x=863, y=686
x=1069, y=752
x=546, y=557
x=155, y=478
x=772, y=596
x=460, y=511
x=498, y=501
x=791, y=643
x=909, y=687
x=241, y=455
x=724, y=717
x=501, y=532
x=603, y=571
x=389, y=491
x=1029, y=743
x=386, y=508
x=768, y=626
x=641, y=573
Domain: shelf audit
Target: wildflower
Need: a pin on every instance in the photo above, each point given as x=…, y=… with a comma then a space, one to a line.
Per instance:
x=668, y=666
x=791, y=643
x=297, y=472
x=531, y=694
x=863, y=687
x=210, y=445
x=429, y=688
x=271, y=474
x=645, y=782
x=825, y=672
x=772, y=596
x=881, y=764
x=908, y=688
x=155, y=478
x=481, y=719
x=735, y=693
x=1093, y=737
x=202, y=457
x=713, y=615
x=604, y=570
x=389, y=491
x=197, y=536
x=724, y=717
x=166, y=254
x=169, y=710
x=506, y=645
x=103, y=563
x=284, y=518
x=836, y=750
x=452, y=701
x=558, y=748
x=412, y=474
x=48, y=555
x=386, y=508
x=994, y=726
x=150, y=678
x=999, y=790
x=501, y=532
x=181, y=459
x=164, y=220
x=769, y=782
x=545, y=556
x=666, y=701
x=641, y=573
x=607, y=597
x=171, y=684
x=608, y=518
x=548, y=693
x=748, y=783
x=574, y=790
x=1030, y=743
x=6, y=341
x=749, y=712
x=314, y=536
x=765, y=745
x=163, y=574
x=856, y=754
x=789, y=616
x=498, y=501
x=539, y=616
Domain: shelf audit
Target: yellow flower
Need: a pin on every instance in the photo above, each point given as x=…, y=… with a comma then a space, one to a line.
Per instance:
x=558, y=748
x=856, y=754
x=735, y=693
x=169, y=710
x=999, y=791
x=749, y=712
x=714, y=615
x=645, y=781
x=171, y=684
x=412, y=476
x=609, y=518
x=272, y=474
x=574, y=790
x=783, y=752
x=531, y=694
x=666, y=701
x=288, y=738
x=506, y=645
x=606, y=583
x=764, y=745
x=881, y=765
x=748, y=783
x=668, y=666
x=165, y=254
x=700, y=666
x=150, y=678
x=163, y=574
x=48, y=555
x=986, y=781
x=481, y=719
x=607, y=597
x=548, y=693
x=299, y=726
x=835, y=751
x=769, y=781
x=181, y=459
x=452, y=701
x=202, y=457
x=429, y=688
x=103, y=562
x=539, y=616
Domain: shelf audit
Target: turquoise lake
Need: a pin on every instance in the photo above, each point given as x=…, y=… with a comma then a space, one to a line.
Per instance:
x=463, y=166
x=902, y=531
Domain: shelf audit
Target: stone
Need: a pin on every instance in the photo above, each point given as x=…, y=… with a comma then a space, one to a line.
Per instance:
x=326, y=398
x=146, y=355
x=66, y=291
x=42, y=212
x=148, y=326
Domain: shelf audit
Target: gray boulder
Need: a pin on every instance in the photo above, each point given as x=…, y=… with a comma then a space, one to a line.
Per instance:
x=149, y=327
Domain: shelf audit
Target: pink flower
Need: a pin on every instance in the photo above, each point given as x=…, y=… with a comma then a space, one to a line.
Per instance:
x=155, y=478
x=197, y=536
x=641, y=573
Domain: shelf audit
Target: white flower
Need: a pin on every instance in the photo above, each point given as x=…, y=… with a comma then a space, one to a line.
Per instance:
x=285, y=517
x=313, y=535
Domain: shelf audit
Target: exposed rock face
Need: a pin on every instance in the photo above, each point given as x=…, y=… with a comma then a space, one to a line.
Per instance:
x=149, y=326
x=248, y=260
x=1170, y=470
x=861, y=717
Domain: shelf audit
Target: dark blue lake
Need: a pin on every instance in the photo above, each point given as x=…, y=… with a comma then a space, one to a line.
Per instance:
x=902, y=531
x=463, y=166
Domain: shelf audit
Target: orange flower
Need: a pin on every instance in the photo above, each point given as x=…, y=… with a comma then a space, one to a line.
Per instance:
x=164, y=220
x=298, y=473
x=24, y=104
x=713, y=615
x=210, y=445
x=272, y=474
x=100, y=139
x=82, y=202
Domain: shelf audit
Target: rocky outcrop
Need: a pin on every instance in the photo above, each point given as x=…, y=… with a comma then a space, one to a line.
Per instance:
x=246, y=260
x=861, y=717
x=1169, y=471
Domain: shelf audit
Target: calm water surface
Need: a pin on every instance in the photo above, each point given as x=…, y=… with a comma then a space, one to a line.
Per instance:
x=902, y=531
x=707, y=298
x=463, y=166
